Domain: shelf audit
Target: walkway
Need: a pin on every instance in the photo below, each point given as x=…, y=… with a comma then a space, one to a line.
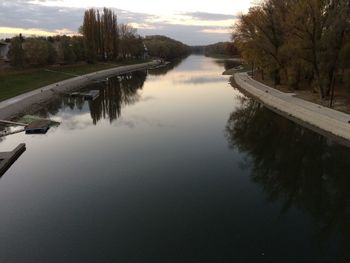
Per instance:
x=321, y=119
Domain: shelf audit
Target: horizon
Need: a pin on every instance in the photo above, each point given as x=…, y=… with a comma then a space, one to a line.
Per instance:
x=183, y=21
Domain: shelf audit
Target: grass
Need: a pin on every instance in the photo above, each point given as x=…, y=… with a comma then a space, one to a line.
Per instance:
x=16, y=82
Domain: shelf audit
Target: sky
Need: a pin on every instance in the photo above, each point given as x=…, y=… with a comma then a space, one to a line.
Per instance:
x=192, y=22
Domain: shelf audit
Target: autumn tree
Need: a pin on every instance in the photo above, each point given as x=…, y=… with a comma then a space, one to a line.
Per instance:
x=67, y=50
x=77, y=44
x=90, y=32
x=260, y=33
x=100, y=32
x=337, y=24
x=109, y=34
x=126, y=33
x=297, y=40
x=36, y=51
x=16, y=52
x=165, y=47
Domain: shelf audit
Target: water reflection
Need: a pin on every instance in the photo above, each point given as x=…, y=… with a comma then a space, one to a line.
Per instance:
x=200, y=80
x=228, y=63
x=164, y=70
x=120, y=91
x=3, y=129
x=116, y=93
x=297, y=167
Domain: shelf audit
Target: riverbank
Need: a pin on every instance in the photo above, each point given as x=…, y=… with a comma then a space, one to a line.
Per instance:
x=321, y=119
x=22, y=103
x=15, y=82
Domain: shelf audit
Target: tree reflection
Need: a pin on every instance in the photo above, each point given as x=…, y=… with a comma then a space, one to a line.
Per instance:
x=114, y=94
x=119, y=91
x=228, y=63
x=295, y=166
x=53, y=106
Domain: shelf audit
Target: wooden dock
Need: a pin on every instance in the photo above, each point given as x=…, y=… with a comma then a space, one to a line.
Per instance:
x=38, y=127
x=8, y=158
x=32, y=125
x=89, y=95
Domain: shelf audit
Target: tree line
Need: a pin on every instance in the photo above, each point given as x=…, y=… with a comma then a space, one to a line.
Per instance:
x=37, y=51
x=225, y=49
x=298, y=42
x=165, y=47
x=101, y=39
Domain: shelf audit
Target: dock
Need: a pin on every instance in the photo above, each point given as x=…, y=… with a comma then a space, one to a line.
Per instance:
x=38, y=127
x=8, y=158
x=89, y=95
x=31, y=125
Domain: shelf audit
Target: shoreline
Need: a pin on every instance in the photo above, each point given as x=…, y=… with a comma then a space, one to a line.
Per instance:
x=323, y=120
x=19, y=104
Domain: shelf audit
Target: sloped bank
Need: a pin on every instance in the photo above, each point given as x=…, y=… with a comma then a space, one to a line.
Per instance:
x=24, y=102
x=323, y=120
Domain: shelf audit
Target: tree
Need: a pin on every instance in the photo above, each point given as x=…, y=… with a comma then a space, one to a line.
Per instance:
x=100, y=34
x=260, y=33
x=52, y=53
x=337, y=25
x=296, y=40
x=67, y=50
x=77, y=43
x=127, y=36
x=36, y=51
x=165, y=47
x=16, y=52
x=109, y=34
x=89, y=30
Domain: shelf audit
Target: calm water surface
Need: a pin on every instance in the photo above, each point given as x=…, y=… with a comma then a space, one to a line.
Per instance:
x=174, y=165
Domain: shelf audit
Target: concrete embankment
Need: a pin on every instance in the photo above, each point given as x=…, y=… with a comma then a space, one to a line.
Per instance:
x=24, y=102
x=323, y=120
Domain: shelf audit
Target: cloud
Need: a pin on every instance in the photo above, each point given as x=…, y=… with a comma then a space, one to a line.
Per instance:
x=35, y=31
x=23, y=14
x=32, y=18
x=143, y=26
x=191, y=35
x=209, y=16
x=189, y=21
x=219, y=30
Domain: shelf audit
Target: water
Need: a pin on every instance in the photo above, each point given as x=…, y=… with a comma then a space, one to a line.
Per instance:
x=174, y=166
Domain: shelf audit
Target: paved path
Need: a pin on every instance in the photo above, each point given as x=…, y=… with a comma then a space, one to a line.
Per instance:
x=324, y=120
x=13, y=106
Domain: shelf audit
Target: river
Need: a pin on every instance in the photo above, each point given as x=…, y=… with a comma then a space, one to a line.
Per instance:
x=174, y=165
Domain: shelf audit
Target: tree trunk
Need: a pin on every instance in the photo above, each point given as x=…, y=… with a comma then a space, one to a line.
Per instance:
x=298, y=77
x=322, y=91
x=277, y=77
x=331, y=76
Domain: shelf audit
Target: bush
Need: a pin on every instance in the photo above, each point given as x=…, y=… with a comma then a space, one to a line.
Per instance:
x=36, y=51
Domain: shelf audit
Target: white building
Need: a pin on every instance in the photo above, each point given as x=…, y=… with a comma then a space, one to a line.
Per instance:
x=4, y=49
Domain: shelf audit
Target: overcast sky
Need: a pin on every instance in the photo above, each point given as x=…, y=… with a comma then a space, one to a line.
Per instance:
x=192, y=22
